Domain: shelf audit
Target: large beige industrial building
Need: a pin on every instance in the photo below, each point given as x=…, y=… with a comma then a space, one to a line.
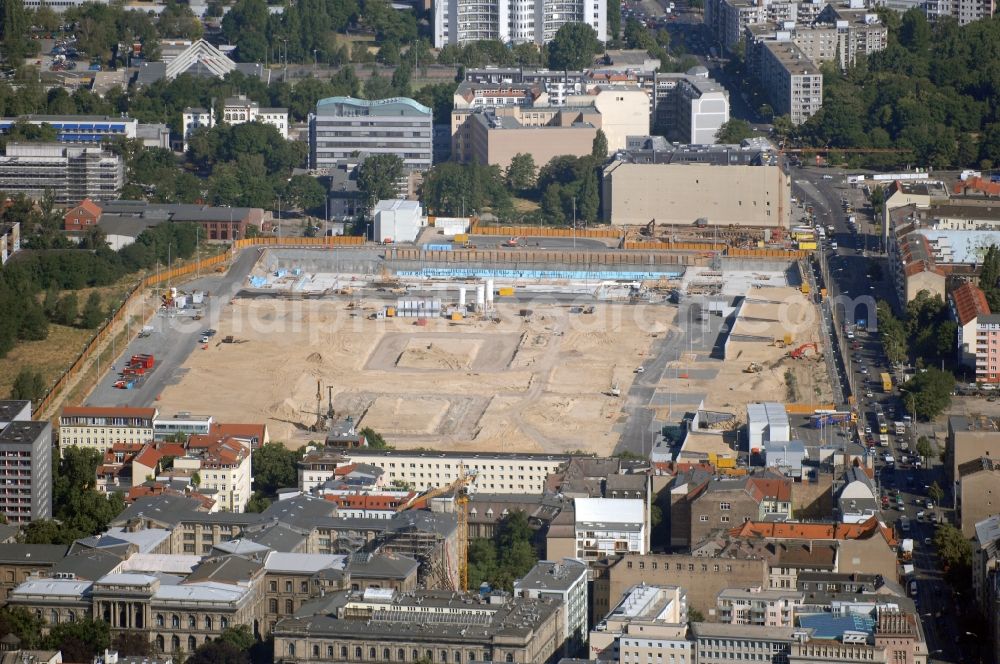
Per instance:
x=680, y=184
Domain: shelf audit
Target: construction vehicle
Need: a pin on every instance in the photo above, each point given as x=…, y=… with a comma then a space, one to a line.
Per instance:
x=753, y=367
x=615, y=390
x=799, y=352
x=459, y=488
x=649, y=229
x=143, y=360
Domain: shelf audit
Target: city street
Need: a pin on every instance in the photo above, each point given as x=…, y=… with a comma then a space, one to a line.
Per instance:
x=846, y=272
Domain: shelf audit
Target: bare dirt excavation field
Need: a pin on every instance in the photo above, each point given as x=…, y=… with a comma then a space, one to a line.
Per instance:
x=537, y=383
x=541, y=382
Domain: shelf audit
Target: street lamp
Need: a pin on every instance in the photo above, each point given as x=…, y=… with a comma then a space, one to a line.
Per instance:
x=279, y=217
x=315, y=62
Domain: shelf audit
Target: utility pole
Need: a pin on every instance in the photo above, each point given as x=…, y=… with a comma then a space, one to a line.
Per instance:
x=574, y=222
x=285, y=40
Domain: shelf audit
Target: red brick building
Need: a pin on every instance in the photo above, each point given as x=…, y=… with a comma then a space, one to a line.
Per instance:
x=83, y=216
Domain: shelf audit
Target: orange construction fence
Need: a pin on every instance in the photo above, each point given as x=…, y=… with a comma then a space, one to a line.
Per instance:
x=542, y=231
x=807, y=408
x=783, y=254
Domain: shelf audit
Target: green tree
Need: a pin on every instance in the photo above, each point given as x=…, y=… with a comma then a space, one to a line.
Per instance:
x=133, y=644
x=93, y=312
x=23, y=624
x=68, y=310
x=614, y=10
x=79, y=641
x=34, y=324
x=377, y=86
x=694, y=615
x=14, y=31
x=924, y=448
x=258, y=502
x=377, y=178
x=935, y=493
x=274, y=467
x=438, y=97
x=915, y=31
x=219, y=652
x=465, y=189
x=573, y=47
x=954, y=552
x=599, y=150
x=240, y=637
x=245, y=25
x=374, y=439
x=507, y=557
x=42, y=531
x=306, y=192
x=928, y=393
x=734, y=131
x=29, y=384
x=521, y=172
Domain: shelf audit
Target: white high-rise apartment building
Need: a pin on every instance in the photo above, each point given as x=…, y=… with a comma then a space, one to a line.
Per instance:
x=513, y=21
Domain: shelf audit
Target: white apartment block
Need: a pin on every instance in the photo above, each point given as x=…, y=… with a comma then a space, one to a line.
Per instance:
x=964, y=11
x=344, y=129
x=692, y=107
x=609, y=526
x=100, y=428
x=757, y=606
x=513, y=21
x=495, y=473
x=235, y=110
x=565, y=580
x=793, y=83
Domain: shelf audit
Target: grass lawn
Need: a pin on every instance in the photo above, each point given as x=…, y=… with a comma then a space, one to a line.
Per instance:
x=524, y=206
x=51, y=356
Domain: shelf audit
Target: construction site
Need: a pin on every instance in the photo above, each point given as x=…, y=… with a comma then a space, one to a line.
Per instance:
x=489, y=359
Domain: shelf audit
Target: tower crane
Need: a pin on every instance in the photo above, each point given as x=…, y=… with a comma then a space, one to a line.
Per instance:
x=458, y=488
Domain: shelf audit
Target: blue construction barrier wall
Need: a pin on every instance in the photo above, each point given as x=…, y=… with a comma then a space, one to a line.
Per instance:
x=572, y=275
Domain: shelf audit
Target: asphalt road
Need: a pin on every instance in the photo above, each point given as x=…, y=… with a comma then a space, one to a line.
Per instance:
x=173, y=339
x=849, y=275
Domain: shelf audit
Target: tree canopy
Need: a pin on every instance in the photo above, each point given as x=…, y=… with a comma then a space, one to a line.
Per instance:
x=928, y=393
x=464, y=189
x=507, y=557
x=930, y=93
x=377, y=178
x=573, y=47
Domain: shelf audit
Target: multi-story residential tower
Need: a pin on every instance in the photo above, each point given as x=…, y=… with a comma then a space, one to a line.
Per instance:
x=517, y=21
x=25, y=464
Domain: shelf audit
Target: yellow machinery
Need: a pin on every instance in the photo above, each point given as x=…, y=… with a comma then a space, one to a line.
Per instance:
x=459, y=488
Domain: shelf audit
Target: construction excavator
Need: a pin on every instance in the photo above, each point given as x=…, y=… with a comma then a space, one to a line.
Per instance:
x=800, y=352
x=753, y=367
x=458, y=488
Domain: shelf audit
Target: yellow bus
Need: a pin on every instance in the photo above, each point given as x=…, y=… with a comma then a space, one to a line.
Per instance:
x=886, y=383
